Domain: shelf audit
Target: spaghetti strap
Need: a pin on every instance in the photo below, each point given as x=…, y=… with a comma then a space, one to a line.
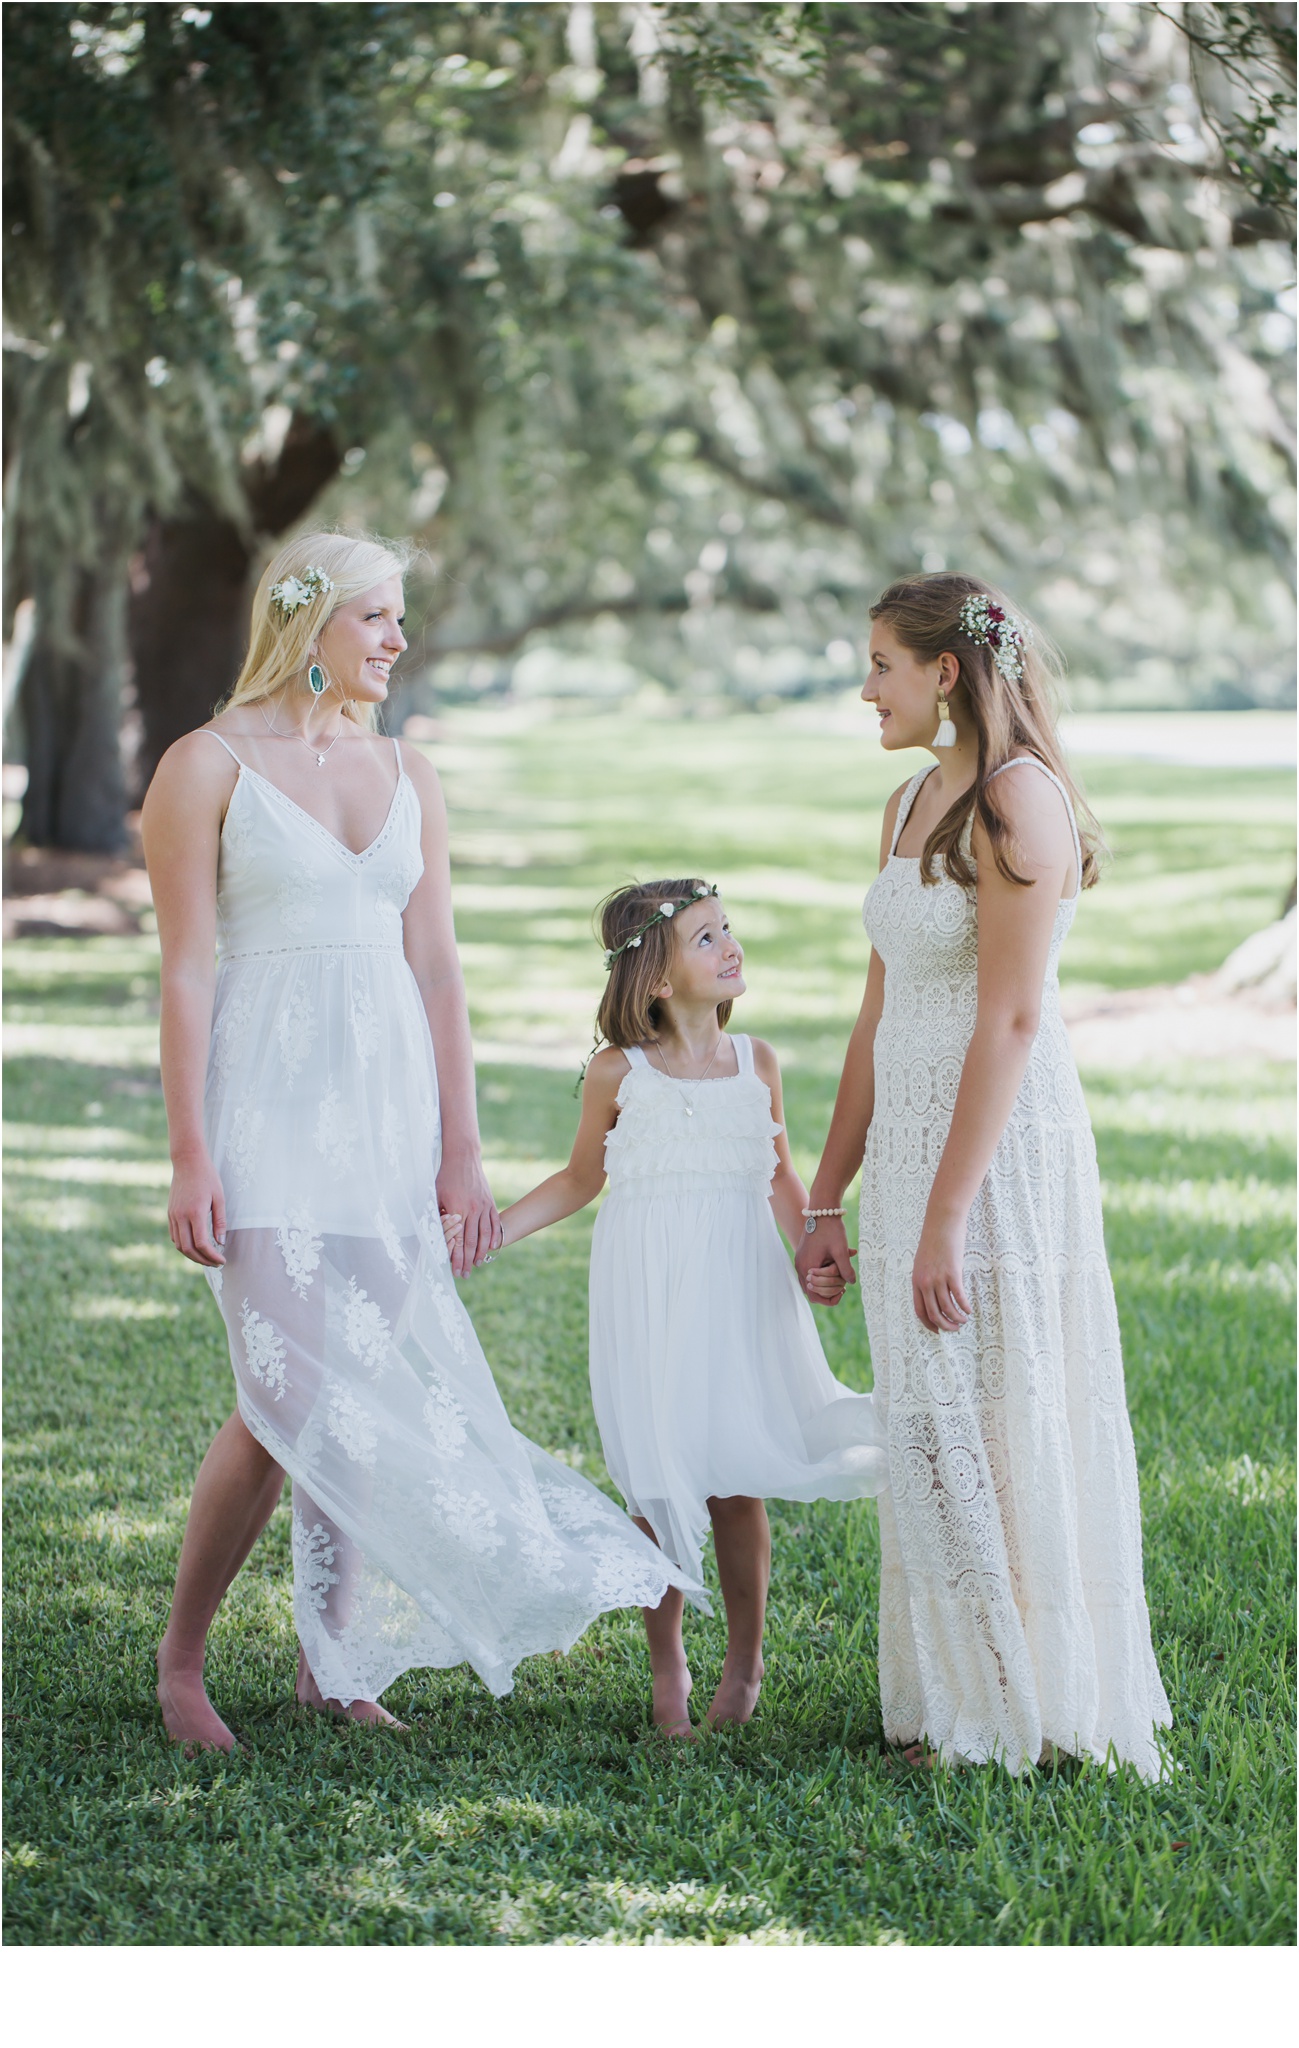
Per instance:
x=635, y=1054
x=207, y=730
x=396, y=748
x=1031, y=760
x=909, y=795
x=743, y=1052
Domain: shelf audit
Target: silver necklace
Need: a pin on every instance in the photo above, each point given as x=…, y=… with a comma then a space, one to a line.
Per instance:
x=308, y=744
x=688, y=1101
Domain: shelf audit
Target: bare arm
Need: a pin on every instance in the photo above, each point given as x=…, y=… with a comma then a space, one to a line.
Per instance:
x=788, y=1195
x=824, y=1261
x=582, y=1179
x=181, y=829
x=429, y=939
x=1015, y=927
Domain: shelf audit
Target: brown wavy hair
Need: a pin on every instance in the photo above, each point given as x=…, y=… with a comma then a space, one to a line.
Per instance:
x=924, y=612
x=629, y=1012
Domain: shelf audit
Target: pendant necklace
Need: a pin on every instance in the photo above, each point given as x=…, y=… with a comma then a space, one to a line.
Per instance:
x=308, y=744
x=688, y=1101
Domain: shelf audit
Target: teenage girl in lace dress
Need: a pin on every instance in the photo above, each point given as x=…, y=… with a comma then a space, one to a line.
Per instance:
x=710, y=1387
x=320, y=1102
x=1012, y=1612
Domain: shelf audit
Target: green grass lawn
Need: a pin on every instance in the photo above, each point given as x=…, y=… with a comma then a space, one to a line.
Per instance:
x=552, y=1817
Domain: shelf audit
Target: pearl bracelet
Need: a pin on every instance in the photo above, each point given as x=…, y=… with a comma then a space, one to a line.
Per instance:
x=811, y=1215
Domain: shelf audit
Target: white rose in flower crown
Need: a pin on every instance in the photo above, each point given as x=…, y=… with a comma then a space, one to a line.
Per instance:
x=295, y=591
x=668, y=909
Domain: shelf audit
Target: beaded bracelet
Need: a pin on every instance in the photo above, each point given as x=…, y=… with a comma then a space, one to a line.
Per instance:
x=811, y=1215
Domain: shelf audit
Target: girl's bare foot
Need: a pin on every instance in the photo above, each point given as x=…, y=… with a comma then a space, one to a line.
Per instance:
x=736, y=1696
x=368, y=1712
x=187, y=1713
x=671, y=1711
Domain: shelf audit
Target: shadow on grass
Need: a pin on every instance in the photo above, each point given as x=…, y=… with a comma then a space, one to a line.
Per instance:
x=556, y=1816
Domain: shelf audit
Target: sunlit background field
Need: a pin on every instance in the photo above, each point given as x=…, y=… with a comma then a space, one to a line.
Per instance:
x=554, y=1816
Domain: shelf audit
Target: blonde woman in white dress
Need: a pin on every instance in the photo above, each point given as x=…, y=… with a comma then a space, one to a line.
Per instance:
x=319, y=1083
x=1013, y=1617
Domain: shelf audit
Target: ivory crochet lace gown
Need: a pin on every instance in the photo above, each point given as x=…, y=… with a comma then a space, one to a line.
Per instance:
x=1012, y=1611
x=426, y=1530
x=707, y=1374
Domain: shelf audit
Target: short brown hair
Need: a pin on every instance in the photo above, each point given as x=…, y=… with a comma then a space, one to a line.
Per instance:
x=629, y=1012
x=924, y=612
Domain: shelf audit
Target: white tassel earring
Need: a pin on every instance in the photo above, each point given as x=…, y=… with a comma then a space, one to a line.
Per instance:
x=946, y=734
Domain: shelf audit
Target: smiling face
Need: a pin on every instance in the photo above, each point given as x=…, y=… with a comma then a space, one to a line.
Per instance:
x=706, y=960
x=362, y=640
x=905, y=689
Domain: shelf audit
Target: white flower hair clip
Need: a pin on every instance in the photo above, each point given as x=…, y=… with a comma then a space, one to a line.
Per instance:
x=990, y=625
x=665, y=913
x=295, y=591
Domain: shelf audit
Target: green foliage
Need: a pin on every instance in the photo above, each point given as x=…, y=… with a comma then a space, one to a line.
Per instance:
x=676, y=332
x=554, y=1817
x=1243, y=63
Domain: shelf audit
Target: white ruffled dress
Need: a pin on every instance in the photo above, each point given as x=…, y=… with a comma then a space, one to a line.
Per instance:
x=707, y=1374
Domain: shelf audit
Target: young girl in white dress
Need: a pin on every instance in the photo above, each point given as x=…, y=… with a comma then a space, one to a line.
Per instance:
x=1012, y=1614
x=710, y=1387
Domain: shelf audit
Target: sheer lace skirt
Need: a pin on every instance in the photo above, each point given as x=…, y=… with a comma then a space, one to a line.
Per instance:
x=426, y=1530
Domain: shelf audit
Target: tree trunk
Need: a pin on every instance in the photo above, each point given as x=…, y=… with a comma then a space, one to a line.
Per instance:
x=188, y=619
x=189, y=603
x=72, y=712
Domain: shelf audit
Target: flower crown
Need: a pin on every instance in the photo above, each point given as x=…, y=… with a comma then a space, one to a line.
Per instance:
x=295, y=591
x=665, y=911
x=990, y=625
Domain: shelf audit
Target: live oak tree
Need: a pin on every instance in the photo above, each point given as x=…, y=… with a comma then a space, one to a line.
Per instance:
x=672, y=329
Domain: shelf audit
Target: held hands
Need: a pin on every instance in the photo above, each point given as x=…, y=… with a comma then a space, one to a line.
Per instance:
x=196, y=1211
x=470, y=1221
x=824, y=1262
x=937, y=1278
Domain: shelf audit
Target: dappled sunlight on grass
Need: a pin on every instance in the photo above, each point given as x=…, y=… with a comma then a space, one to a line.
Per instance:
x=1200, y=858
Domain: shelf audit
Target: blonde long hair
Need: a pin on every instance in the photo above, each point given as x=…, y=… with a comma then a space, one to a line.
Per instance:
x=924, y=612
x=280, y=645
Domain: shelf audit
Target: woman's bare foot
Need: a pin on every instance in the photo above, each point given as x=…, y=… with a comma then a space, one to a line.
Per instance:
x=920, y=1757
x=736, y=1697
x=671, y=1711
x=187, y=1713
x=368, y=1712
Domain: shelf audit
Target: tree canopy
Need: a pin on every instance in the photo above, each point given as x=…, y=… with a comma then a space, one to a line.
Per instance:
x=672, y=330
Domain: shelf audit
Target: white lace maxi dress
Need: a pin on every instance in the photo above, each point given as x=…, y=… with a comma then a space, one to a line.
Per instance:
x=1012, y=1611
x=426, y=1530
x=707, y=1374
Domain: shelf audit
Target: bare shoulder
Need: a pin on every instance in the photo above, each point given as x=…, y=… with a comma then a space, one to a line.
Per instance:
x=891, y=807
x=605, y=1073
x=1036, y=812
x=194, y=768
x=421, y=772
x=609, y=1064
x=765, y=1063
x=891, y=819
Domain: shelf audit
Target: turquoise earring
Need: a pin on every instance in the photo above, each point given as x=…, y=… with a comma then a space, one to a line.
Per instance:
x=316, y=679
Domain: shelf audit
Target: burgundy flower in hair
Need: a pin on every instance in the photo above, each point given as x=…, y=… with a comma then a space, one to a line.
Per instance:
x=991, y=625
